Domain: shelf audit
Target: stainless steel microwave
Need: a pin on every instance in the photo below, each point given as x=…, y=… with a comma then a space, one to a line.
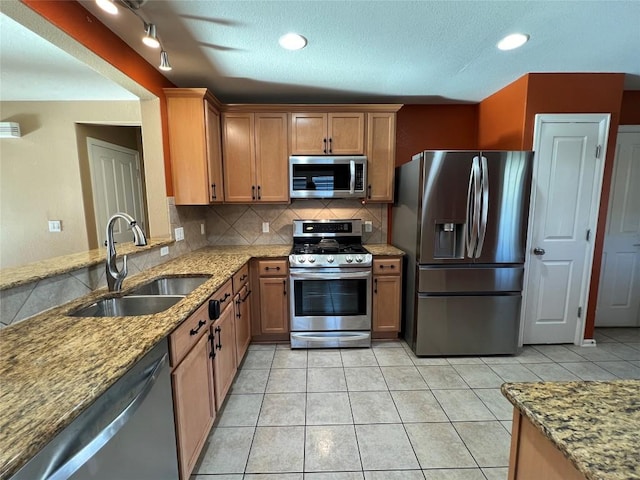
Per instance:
x=327, y=177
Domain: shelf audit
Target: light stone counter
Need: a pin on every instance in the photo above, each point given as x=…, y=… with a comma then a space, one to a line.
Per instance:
x=596, y=425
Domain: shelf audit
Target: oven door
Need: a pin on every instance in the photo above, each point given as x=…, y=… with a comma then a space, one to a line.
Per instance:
x=330, y=299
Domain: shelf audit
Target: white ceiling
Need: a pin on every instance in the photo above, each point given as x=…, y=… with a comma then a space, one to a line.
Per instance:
x=373, y=51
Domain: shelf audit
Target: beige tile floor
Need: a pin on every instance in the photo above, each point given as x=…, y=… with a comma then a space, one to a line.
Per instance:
x=384, y=414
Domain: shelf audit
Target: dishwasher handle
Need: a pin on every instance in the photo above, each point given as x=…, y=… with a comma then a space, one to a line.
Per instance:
x=100, y=440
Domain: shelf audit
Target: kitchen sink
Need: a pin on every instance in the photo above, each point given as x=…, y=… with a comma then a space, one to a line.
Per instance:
x=171, y=286
x=128, y=306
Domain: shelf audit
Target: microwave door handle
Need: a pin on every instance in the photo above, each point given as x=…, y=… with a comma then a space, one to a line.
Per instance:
x=352, y=183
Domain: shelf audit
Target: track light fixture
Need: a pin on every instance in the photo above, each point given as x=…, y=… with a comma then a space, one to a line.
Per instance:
x=150, y=37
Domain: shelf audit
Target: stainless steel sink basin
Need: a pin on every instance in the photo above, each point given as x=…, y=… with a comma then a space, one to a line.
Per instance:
x=128, y=306
x=171, y=286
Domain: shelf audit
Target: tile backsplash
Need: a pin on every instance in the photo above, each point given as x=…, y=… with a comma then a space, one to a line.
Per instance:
x=224, y=225
x=242, y=224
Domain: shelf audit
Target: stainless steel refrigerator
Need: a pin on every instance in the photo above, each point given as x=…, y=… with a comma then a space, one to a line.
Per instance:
x=461, y=217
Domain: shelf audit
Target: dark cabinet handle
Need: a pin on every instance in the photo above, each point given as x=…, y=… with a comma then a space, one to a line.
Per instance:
x=212, y=353
x=246, y=296
x=375, y=285
x=224, y=299
x=324, y=140
x=284, y=287
x=382, y=267
x=243, y=277
x=194, y=331
x=259, y=195
x=218, y=330
x=214, y=309
x=253, y=192
x=272, y=268
x=330, y=145
x=369, y=192
x=213, y=187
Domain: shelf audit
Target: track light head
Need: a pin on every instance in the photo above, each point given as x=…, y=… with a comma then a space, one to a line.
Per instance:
x=164, y=61
x=108, y=6
x=150, y=38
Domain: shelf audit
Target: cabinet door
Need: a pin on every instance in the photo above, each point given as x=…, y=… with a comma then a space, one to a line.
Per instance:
x=239, y=157
x=243, y=322
x=274, y=306
x=187, y=143
x=386, y=303
x=272, y=161
x=214, y=154
x=381, y=155
x=346, y=133
x=194, y=407
x=309, y=134
x=224, y=362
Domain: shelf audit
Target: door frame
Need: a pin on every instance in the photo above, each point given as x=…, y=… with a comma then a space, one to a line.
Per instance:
x=604, y=120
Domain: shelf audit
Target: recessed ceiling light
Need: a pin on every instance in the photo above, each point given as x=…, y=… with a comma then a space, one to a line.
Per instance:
x=108, y=6
x=512, y=41
x=292, y=41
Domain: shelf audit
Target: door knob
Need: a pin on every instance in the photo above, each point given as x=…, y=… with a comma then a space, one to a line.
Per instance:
x=538, y=251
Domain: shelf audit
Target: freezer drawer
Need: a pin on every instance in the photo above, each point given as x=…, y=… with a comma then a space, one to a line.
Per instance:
x=467, y=325
x=470, y=279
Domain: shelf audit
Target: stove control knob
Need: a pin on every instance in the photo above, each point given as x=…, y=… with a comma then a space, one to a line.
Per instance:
x=300, y=258
x=359, y=258
x=311, y=259
x=330, y=259
x=349, y=259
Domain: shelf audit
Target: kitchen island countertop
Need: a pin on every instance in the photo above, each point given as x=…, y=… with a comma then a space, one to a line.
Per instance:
x=53, y=366
x=596, y=425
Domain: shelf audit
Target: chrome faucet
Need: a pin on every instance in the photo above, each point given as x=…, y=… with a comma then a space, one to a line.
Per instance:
x=115, y=277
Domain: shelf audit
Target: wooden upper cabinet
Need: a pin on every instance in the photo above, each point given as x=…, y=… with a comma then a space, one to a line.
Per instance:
x=381, y=156
x=239, y=157
x=320, y=133
x=194, y=142
x=255, y=157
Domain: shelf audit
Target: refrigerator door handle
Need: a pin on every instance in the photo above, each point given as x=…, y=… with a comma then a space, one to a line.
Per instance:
x=473, y=208
x=484, y=208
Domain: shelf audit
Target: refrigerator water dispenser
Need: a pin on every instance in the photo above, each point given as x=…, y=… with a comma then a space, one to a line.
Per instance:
x=449, y=240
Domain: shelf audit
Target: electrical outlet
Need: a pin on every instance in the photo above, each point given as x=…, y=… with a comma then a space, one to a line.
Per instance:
x=202, y=231
x=368, y=226
x=164, y=251
x=265, y=227
x=55, y=226
x=179, y=234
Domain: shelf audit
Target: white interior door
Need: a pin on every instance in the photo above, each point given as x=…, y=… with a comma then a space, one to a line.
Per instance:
x=619, y=292
x=567, y=179
x=117, y=187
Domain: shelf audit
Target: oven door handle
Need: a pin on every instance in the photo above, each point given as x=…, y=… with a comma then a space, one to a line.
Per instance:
x=360, y=274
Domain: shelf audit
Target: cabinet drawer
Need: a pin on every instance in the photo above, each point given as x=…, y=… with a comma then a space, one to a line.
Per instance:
x=183, y=338
x=240, y=278
x=273, y=268
x=224, y=295
x=387, y=266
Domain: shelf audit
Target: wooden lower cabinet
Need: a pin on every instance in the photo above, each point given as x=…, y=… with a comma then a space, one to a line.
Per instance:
x=274, y=305
x=533, y=456
x=224, y=348
x=243, y=322
x=387, y=295
x=194, y=404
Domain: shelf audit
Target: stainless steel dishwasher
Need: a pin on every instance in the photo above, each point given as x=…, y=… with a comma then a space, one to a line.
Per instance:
x=128, y=433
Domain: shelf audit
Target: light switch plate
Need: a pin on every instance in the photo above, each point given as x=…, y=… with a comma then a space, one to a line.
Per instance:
x=164, y=251
x=179, y=234
x=265, y=227
x=368, y=226
x=55, y=226
x=202, y=230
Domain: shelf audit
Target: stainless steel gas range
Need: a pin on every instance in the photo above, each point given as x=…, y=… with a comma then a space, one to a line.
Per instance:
x=330, y=285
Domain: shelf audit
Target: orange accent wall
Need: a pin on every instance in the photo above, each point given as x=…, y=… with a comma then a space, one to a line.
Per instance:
x=502, y=117
x=435, y=127
x=630, y=112
x=73, y=19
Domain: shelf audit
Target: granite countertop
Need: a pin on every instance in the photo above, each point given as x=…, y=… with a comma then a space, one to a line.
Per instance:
x=383, y=249
x=596, y=425
x=53, y=366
